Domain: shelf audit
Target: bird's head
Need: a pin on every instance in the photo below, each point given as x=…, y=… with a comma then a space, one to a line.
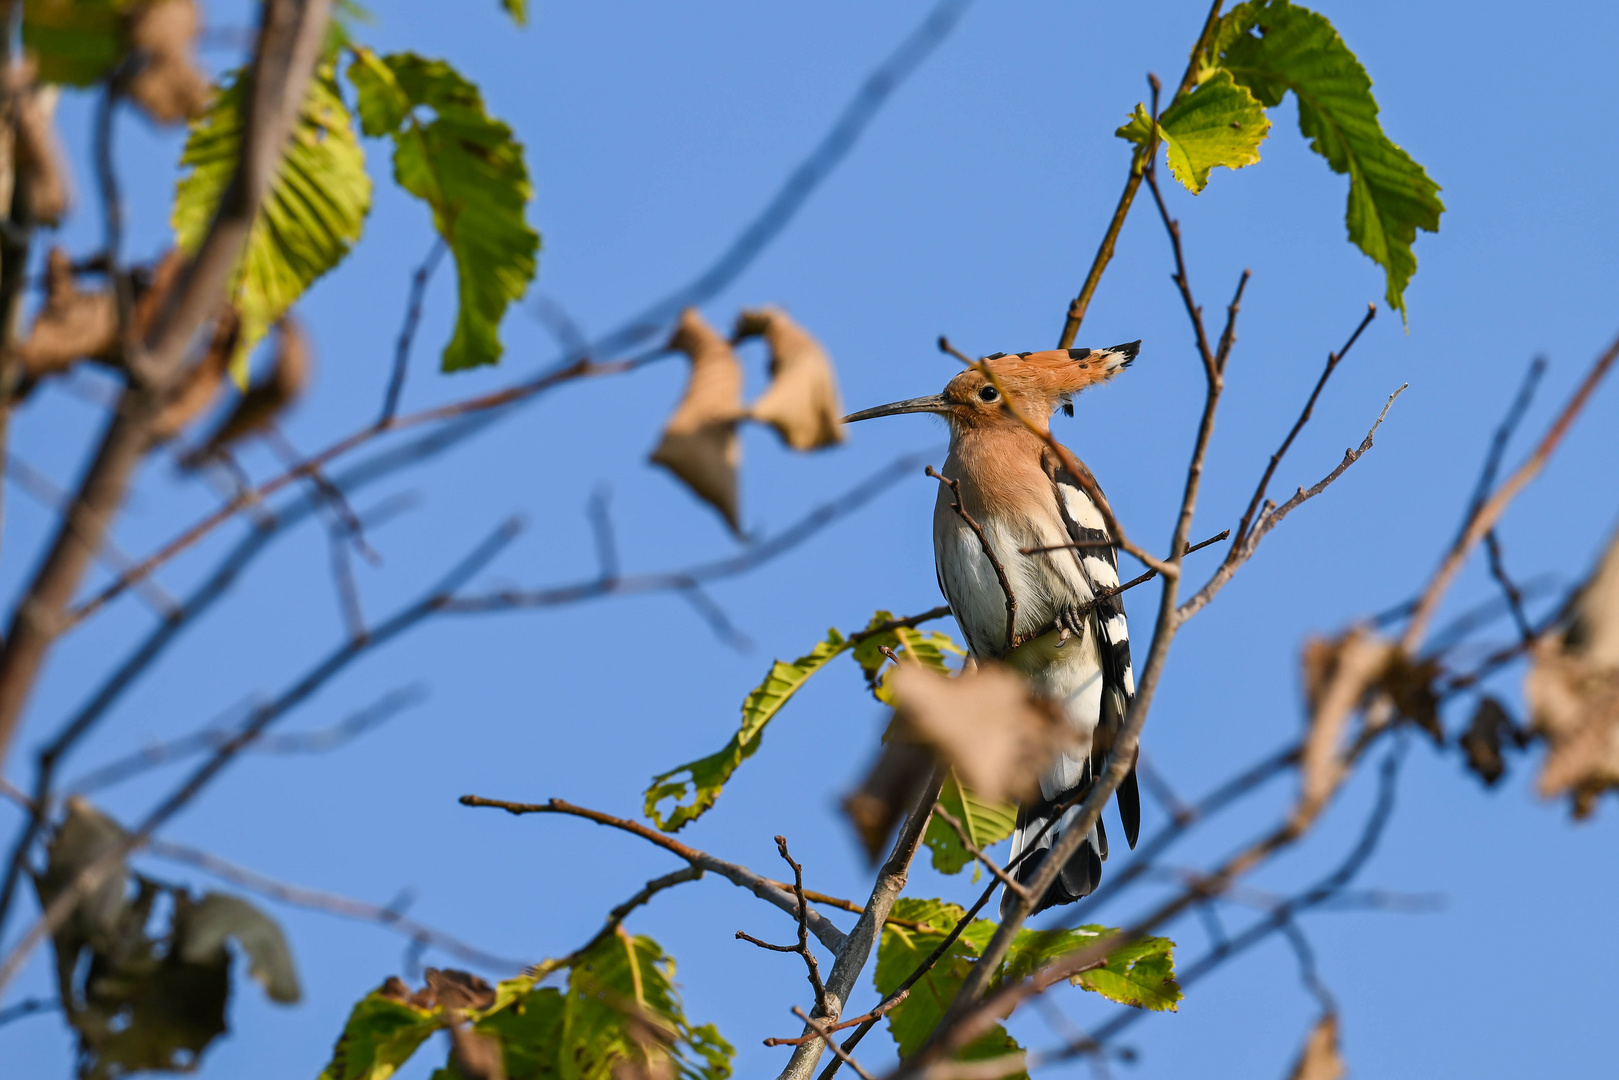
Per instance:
x=1038, y=383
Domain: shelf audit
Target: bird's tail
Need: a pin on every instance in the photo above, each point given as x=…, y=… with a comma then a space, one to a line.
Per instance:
x=1042, y=824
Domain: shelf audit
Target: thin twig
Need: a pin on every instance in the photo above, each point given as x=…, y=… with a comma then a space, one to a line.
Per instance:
x=825, y=1036
x=1333, y=359
x=802, y=914
x=388, y=917
x=1502, y=438
x=407, y=332
x=1509, y=590
x=883, y=1009
x=66, y=901
x=989, y=553
x=1489, y=512
x=829, y=935
x=973, y=849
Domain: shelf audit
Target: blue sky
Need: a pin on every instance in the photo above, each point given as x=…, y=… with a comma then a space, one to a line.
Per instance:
x=971, y=207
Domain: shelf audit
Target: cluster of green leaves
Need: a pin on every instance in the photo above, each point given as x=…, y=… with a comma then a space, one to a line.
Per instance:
x=467, y=166
x=695, y=785
x=1140, y=974
x=74, y=44
x=140, y=1000
x=1259, y=52
x=618, y=1008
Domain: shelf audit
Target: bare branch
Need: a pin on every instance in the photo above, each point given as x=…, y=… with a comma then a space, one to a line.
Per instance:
x=972, y=849
x=407, y=332
x=1489, y=512
x=825, y=1036
x=332, y=904
x=762, y=887
x=91, y=876
x=1333, y=359
x=1273, y=516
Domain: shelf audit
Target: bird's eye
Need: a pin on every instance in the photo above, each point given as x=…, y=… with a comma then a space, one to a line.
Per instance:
x=988, y=393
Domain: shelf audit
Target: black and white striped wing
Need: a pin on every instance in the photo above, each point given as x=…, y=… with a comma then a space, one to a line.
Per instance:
x=1100, y=566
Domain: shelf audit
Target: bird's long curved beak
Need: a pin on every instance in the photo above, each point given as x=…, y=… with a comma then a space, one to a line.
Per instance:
x=933, y=403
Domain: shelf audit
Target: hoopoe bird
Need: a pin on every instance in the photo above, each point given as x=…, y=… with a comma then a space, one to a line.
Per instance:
x=1017, y=490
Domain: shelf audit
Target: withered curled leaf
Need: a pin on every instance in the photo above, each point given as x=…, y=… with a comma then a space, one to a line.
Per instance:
x=459, y=989
x=700, y=443
x=266, y=400
x=42, y=169
x=802, y=401
x=202, y=384
x=1320, y=1060
x=1573, y=692
x=1337, y=676
x=476, y=1056
x=70, y=325
x=1487, y=736
x=988, y=725
x=167, y=85
x=888, y=790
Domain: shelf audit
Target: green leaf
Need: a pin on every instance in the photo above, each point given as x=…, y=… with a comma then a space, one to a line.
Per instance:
x=986, y=823
x=75, y=42
x=218, y=918
x=703, y=778
x=1141, y=973
x=1271, y=47
x=381, y=1034
x=926, y=647
x=622, y=1007
x=469, y=169
x=517, y=9
x=902, y=949
x=1219, y=123
x=311, y=216
x=530, y=1033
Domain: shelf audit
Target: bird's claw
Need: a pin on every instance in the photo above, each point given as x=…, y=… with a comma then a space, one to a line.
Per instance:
x=1069, y=625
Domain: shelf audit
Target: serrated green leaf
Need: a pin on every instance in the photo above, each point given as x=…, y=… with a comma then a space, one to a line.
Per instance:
x=986, y=823
x=74, y=42
x=529, y=1030
x=1141, y=974
x=311, y=215
x=1271, y=47
x=701, y=780
x=902, y=949
x=380, y=1036
x=467, y=166
x=1219, y=123
x=622, y=1008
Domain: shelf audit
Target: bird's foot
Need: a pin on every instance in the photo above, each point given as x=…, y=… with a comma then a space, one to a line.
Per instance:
x=1070, y=624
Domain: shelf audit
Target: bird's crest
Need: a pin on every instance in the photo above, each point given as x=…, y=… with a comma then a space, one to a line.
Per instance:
x=1058, y=374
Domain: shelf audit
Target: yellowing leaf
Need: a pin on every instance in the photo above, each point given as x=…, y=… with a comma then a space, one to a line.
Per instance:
x=802, y=402
x=703, y=778
x=902, y=949
x=467, y=166
x=985, y=822
x=1219, y=123
x=700, y=443
x=1271, y=47
x=311, y=215
x=1140, y=974
x=383, y=1031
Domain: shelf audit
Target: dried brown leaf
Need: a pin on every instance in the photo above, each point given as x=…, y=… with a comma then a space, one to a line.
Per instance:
x=1573, y=692
x=887, y=792
x=265, y=401
x=1487, y=735
x=996, y=732
x=459, y=989
x=700, y=443
x=1337, y=676
x=42, y=170
x=201, y=386
x=802, y=401
x=168, y=84
x=1320, y=1059
x=70, y=325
